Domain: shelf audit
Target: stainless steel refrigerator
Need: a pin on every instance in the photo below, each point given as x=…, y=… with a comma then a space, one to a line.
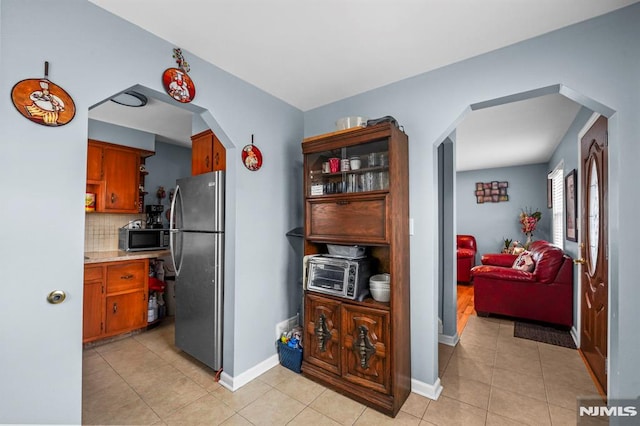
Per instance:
x=197, y=250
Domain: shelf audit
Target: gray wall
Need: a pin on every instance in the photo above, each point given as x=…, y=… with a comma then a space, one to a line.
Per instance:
x=596, y=63
x=568, y=152
x=491, y=223
x=107, y=132
x=94, y=55
x=171, y=162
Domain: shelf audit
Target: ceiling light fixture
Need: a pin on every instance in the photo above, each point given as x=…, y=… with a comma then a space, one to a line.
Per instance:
x=131, y=99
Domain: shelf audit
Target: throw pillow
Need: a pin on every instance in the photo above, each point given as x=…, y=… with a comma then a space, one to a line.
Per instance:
x=524, y=262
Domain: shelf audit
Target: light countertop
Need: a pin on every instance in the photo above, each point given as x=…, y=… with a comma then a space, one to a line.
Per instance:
x=117, y=255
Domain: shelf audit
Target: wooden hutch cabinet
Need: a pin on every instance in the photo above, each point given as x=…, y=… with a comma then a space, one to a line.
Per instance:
x=115, y=298
x=361, y=349
x=113, y=174
x=207, y=153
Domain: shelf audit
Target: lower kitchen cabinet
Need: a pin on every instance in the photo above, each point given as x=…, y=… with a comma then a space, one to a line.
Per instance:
x=124, y=312
x=115, y=298
x=92, y=311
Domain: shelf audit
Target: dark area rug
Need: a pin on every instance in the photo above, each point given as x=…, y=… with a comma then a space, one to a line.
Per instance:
x=543, y=333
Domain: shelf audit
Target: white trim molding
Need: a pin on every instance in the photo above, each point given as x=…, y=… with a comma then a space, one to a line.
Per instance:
x=429, y=391
x=449, y=340
x=233, y=383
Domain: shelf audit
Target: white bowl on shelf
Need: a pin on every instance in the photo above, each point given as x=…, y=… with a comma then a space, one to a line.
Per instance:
x=380, y=279
x=380, y=287
x=380, y=295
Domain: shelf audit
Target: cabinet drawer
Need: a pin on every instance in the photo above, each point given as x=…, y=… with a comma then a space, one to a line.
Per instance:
x=356, y=219
x=93, y=273
x=126, y=276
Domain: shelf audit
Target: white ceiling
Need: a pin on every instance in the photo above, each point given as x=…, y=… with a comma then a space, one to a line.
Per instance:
x=514, y=134
x=313, y=52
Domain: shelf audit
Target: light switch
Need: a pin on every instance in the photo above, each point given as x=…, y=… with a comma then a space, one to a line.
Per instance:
x=410, y=226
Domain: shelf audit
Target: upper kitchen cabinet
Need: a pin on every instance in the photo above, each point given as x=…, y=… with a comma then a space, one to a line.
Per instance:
x=207, y=153
x=113, y=175
x=94, y=162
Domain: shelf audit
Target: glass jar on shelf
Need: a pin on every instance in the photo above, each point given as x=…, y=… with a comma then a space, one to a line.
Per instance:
x=350, y=169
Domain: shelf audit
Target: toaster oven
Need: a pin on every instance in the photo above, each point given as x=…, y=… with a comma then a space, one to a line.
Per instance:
x=348, y=278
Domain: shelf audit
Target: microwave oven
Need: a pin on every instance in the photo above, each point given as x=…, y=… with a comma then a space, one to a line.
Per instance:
x=143, y=239
x=336, y=276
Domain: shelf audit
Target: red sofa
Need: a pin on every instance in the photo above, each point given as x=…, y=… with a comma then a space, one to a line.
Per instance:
x=466, y=252
x=545, y=294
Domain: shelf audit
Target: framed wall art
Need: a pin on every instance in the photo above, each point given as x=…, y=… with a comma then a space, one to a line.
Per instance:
x=491, y=192
x=571, y=206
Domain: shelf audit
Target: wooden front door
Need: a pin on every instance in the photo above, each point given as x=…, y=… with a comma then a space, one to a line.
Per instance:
x=594, y=285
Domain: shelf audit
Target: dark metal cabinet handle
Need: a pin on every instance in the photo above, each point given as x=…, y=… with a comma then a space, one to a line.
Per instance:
x=115, y=308
x=126, y=277
x=113, y=197
x=342, y=202
x=206, y=161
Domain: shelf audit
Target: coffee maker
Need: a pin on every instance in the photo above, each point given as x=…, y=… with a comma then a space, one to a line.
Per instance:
x=154, y=215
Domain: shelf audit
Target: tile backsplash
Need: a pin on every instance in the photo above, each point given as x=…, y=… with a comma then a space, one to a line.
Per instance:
x=101, y=230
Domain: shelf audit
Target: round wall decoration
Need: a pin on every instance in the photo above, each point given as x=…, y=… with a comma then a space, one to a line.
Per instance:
x=42, y=101
x=178, y=85
x=251, y=156
x=177, y=82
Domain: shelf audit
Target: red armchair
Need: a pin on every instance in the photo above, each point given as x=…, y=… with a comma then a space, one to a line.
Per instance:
x=466, y=252
x=545, y=294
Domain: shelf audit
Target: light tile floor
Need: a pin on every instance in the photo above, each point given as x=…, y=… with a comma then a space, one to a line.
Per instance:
x=489, y=378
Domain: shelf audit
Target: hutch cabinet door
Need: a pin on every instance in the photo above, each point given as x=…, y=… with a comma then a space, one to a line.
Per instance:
x=358, y=219
x=322, y=333
x=366, y=353
x=121, y=172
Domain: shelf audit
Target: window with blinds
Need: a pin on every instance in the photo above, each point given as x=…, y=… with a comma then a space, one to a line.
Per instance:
x=557, y=188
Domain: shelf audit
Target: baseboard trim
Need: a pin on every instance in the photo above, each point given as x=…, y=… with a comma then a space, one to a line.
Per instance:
x=448, y=340
x=429, y=391
x=233, y=383
x=574, y=336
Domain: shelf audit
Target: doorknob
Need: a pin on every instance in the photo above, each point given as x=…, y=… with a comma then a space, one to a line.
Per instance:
x=580, y=261
x=56, y=296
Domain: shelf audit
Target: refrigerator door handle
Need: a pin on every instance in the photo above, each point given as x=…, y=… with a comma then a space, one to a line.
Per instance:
x=173, y=230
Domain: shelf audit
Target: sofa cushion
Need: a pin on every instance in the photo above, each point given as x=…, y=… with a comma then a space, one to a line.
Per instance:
x=499, y=259
x=548, y=259
x=524, y=262
x=489, y=272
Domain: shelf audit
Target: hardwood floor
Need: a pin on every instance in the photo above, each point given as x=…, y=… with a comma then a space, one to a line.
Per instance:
x=465, y=305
